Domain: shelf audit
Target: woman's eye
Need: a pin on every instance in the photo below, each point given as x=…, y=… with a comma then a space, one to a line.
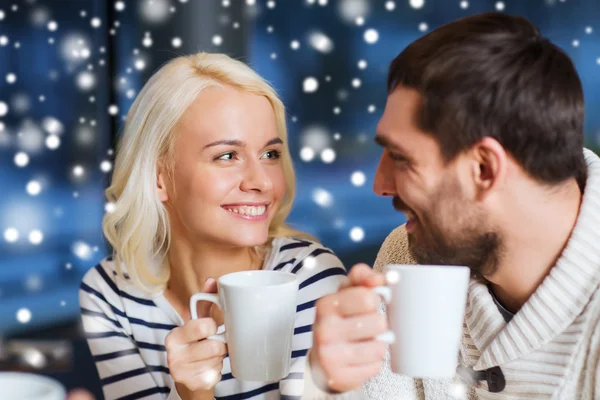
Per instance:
x=226, y=156
x=272, y=154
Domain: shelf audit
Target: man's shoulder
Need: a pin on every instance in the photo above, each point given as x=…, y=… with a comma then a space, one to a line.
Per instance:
x=395, y=249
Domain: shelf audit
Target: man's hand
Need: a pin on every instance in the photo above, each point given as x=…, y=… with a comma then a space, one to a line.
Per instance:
x=344, y=345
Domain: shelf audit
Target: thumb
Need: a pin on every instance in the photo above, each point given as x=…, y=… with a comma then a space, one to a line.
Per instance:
x=209, y=286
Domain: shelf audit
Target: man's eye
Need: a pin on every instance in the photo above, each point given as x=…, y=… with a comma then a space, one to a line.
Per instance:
x=396, y=157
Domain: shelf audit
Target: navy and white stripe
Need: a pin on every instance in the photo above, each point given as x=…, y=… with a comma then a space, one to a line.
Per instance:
x=126, y=328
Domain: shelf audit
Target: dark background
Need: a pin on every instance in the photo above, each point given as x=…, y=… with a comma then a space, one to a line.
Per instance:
x=57, y=87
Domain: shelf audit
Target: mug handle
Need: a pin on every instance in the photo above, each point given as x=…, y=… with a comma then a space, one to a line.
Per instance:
x=213, y=298
x=385, y=292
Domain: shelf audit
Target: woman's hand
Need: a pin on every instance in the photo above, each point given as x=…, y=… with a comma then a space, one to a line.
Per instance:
x=195, y=363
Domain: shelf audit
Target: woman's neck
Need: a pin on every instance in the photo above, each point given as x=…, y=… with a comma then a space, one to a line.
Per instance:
x=192, y=264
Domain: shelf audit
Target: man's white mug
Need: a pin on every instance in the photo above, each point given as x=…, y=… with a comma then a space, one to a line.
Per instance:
x=259, y=308
x=26, y=386
x=425, y=308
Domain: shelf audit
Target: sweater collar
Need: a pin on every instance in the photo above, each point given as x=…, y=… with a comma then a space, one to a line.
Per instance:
x=559, y=299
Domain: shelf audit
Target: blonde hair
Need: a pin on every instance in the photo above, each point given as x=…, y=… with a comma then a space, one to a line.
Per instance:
x=138, y=228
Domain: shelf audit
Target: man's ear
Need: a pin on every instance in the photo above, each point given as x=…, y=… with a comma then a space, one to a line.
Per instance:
x=489, y=166
x=161, y=182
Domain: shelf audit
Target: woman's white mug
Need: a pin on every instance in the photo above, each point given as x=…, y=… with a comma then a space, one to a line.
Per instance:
x=259, y=308
x=425, y=308
x=26, y=386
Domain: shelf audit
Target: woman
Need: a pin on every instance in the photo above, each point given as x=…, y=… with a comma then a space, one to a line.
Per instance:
x=202, y=185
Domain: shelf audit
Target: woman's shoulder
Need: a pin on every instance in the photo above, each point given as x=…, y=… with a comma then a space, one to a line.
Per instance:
x=302, y=256
x=105, y=280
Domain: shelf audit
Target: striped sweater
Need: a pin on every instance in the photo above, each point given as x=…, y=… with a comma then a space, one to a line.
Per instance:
x=550, y=349
x=126, y=328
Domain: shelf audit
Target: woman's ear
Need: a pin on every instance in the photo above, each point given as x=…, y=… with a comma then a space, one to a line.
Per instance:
x=161, y=183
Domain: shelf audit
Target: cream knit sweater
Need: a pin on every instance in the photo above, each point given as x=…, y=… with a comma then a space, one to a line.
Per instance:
x=551, y=347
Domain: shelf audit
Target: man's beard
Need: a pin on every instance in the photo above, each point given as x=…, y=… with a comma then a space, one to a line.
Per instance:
x=470, y=243
x=477, y=250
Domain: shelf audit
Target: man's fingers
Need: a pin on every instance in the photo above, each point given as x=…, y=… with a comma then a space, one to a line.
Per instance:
x=348, y=302
x=363, y=327
x=351, y=378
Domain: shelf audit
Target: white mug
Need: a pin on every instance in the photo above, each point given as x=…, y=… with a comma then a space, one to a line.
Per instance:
x=259, y=309
x=26, y=386
x=425, y=308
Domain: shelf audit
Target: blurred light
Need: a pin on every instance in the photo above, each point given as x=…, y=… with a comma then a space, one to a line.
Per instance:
x=217, y=40
x=320, y=42
x=598, y=61
x=310, y=85
x=83, y=13
x=309, y=262
x=155, y=11
x=357, y=234
x=500, y=6
x=96, y=22
x=390, y=5
x=315, y=137
x=20, y=103
x=78, y=171
x=250, y=2
x=337, y=136
x=3, y=40
x=105, y=166
x=273, y=56
x=63, y=303
x=147, y=41
x=322, y=197
x=225, y=3
x=349, y=10
x=362, y=64
x=36, y=237
x=417, y=3
x=52, y=26
x=360, y=21
x=323, y=3
x=30, y=137
x=271, y=4
x=86, y=80
x=307, y=154
x=392, y=277
x=11, y=235
x=371, y=109
x=2, y=15
x=82, y=250
x=52, y=126
x=75, y=48
x=139, y=64
x=358, y=178
x=575, y=43
x=52, y=142
x=588, y=30
x=23, y=315
x=337, y=110
x=356, y=83
x=236, y=25
x=42, y=98
x=371, y=36
x=113, y=110
x=33, y=188
x=21, y=159
x=39, y=17
x=423, y=26
x=328, y=156
x=458, y=390
x=295, y=45
x=109, y=207
x=130, y=94
x=176, y=42
x=464, y=4
x=120, y=6
x=34, y=283
x=11, y=78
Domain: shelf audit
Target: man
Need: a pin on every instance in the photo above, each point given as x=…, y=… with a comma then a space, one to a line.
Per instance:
x=482, y=141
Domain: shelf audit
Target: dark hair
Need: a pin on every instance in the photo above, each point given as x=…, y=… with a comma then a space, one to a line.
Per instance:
x=494, y=75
